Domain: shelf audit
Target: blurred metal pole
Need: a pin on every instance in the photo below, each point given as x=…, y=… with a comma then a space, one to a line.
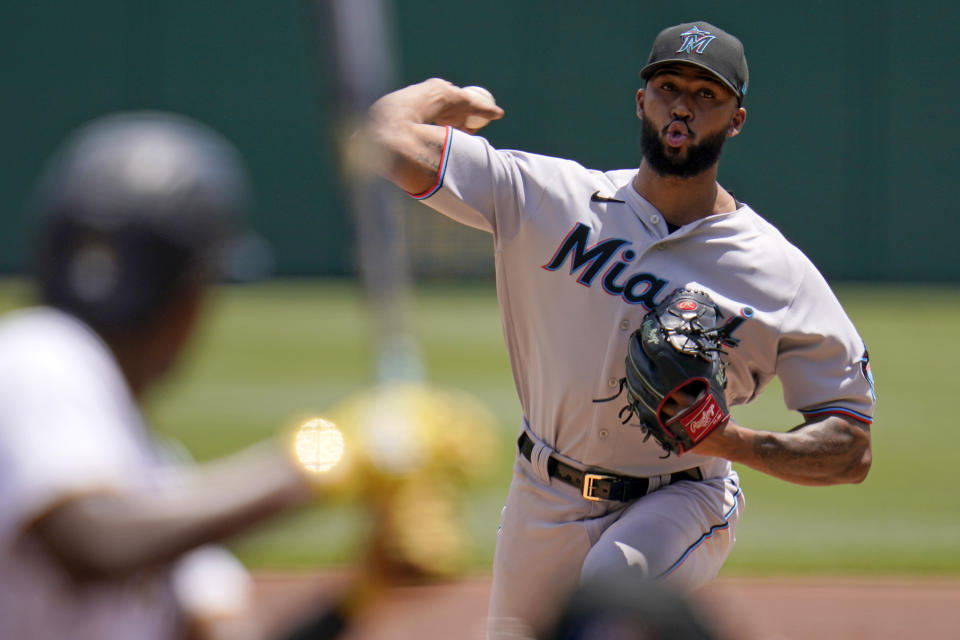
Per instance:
x=359, y=37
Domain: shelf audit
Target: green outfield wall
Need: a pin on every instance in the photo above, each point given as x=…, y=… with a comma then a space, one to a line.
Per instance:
x=850, y=144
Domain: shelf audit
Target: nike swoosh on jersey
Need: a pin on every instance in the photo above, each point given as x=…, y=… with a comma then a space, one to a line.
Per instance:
x=596, y=197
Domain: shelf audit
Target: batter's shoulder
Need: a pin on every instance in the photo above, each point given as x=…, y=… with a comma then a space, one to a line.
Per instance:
x=47, y=345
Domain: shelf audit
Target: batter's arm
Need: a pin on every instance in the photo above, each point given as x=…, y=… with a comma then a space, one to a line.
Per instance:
x=823, y=451
x=107, y=534
x=403, y=138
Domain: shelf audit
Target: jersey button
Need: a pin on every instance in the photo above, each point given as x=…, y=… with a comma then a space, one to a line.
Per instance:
x=603, y=433
x=612, y=382
x=660, y=247
x=624, y=324
x=655, y=219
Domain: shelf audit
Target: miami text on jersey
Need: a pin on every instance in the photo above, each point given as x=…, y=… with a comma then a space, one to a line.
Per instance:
x=639, y=288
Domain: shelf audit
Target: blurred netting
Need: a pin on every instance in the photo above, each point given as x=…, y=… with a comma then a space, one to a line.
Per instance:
x=442, y=249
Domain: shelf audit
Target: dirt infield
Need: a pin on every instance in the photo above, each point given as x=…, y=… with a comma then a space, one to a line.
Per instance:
x=845, y=609
x=743, y=609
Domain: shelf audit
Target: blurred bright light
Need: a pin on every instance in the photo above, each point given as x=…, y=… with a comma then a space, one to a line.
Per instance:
x=318, y=445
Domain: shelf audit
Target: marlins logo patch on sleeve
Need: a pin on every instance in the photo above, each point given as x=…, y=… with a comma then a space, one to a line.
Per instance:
x=867, y=373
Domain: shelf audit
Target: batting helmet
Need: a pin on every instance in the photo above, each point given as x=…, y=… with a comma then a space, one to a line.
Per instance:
x=132, y=206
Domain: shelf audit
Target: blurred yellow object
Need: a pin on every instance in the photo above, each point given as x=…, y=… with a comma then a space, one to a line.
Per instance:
x=420, y=529
x=404, y=428
x=407, y=449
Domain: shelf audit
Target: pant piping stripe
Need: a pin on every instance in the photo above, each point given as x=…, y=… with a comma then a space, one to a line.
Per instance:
x=717, y=527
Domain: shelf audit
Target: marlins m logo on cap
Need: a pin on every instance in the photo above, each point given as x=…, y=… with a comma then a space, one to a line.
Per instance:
x=695, y=40
x=703, y=45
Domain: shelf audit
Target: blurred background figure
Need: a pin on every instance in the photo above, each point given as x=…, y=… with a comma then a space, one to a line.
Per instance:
x=626, y=606
x=101, y=530
x=104, y=529
x=416, y=447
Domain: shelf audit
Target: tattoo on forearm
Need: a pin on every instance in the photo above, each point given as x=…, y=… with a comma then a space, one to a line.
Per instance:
x=770, y=449
x=821, y=449
x=428, y=162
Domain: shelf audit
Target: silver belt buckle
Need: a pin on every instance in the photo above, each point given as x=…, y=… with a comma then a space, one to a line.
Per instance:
x=589, y=479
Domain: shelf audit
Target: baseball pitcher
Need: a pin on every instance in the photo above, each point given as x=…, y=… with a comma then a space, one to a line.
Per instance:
x=638, y=305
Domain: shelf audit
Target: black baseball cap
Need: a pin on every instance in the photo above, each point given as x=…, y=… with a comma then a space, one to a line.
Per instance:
x=703, y=45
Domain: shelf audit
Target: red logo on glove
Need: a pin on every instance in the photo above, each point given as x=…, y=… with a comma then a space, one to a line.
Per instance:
x=702, y=418
x=687, y=305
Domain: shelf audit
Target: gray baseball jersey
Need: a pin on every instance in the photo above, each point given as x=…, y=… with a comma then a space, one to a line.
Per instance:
x=581, y=257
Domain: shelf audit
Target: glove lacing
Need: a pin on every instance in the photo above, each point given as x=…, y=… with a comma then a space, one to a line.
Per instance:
x=630, y=413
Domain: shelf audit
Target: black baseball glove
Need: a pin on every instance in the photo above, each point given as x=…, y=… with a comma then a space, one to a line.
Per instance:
x=675, y=377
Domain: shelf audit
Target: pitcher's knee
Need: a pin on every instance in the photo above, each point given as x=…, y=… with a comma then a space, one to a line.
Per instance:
x=614, y=556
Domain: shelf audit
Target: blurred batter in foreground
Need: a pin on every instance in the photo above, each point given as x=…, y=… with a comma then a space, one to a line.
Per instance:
x=102, y=534
x=581, y=256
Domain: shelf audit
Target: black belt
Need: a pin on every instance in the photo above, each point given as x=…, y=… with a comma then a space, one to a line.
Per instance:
x=597, y=484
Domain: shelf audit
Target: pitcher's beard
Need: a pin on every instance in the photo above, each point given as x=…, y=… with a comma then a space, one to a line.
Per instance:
x=699, y=158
